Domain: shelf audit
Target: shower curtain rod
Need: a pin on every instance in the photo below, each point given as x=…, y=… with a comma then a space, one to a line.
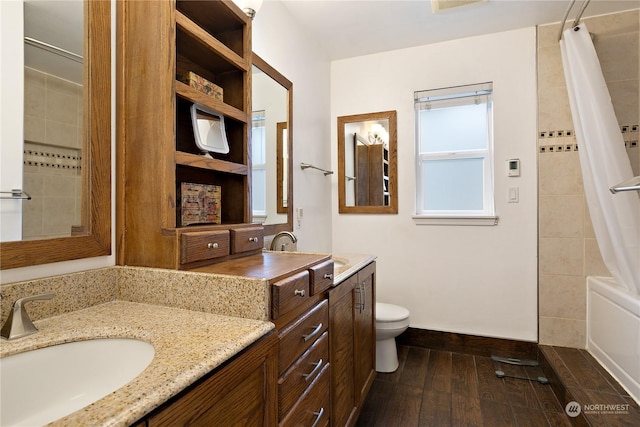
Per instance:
x=54, y=49
x=575, y=21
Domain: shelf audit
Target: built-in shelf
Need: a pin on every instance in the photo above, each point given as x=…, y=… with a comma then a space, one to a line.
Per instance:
x=211, y=39
x=202, y=162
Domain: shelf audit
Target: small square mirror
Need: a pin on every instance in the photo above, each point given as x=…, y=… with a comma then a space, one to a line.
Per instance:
x=208, y=130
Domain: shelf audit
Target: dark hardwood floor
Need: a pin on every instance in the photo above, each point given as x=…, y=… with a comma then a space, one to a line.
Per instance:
x=442, y=388
x=577, y=377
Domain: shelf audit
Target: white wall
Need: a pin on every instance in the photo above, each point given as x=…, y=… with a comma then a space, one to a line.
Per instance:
x=478, y=280
x=280, y=41
x=11, y=113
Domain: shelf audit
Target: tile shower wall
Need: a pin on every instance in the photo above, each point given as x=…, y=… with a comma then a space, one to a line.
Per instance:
x=52, y=155
x=568, y=251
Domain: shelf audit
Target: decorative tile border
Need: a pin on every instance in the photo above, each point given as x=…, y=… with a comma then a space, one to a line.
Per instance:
x=559, y=141
x=62, y=158
x=555, y=133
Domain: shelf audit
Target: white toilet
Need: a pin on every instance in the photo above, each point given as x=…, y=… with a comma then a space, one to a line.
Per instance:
x=391, y=321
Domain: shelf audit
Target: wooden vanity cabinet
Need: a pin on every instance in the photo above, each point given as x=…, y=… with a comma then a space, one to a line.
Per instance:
x=241, y=392
x=300, y=311
x=352, y=343
x=158, y=43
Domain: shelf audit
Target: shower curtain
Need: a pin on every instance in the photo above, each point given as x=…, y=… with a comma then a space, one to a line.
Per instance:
x=603, y=159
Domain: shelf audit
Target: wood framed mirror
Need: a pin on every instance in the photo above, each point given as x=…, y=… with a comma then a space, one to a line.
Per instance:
x=92, y=236
x=367, y=163
x=272, y=148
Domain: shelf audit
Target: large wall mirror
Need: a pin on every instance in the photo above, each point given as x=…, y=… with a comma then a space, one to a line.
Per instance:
x=58, y=144
x=367, y=164
x=271, y=148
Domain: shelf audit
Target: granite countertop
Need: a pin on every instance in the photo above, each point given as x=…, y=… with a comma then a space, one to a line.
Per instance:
x=351, y=264
x=188, y=344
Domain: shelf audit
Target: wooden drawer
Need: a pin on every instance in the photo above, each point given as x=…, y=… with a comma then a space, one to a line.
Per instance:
x=288, y=293
x=313, y=409
x=246, y=239
x=321, y=277
x=299, y=336
x=198, y=246
x=306, y=369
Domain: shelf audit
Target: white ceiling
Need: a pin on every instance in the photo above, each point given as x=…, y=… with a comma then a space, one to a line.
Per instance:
x=344, y=28
x=348, y=28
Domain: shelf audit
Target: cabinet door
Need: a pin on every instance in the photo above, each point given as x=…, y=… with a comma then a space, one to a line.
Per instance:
x=365, y=332
x=242, y=393
x=341, y=334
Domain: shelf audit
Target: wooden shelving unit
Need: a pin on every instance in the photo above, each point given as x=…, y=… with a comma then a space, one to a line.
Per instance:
x=158, y=42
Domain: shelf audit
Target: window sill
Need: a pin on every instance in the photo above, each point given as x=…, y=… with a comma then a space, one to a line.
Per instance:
x=259, y=218
x=455, y=220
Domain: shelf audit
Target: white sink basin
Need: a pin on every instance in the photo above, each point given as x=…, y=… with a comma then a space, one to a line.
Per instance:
x=338, y=263
x=41, y=386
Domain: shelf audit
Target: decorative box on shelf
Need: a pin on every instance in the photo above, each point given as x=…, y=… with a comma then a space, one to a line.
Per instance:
x=200, y=203
x=201, y=84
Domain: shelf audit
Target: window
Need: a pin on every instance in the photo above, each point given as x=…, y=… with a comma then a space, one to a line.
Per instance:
x=258, y=166
x=454, y=175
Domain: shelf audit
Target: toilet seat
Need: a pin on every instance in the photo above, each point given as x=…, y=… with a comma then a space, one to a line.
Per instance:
x=390, y=313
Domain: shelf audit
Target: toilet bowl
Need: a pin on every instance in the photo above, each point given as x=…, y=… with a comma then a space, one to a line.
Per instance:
x=391, y=321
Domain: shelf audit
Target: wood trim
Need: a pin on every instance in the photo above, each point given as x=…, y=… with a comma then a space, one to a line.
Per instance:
x=280, y=128
x=97, y=139
x=468, y=344
x=248, y=55
x=146, y=83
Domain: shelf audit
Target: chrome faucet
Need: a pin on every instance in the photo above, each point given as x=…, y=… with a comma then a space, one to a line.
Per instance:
x=274, y=242
x=19, y=323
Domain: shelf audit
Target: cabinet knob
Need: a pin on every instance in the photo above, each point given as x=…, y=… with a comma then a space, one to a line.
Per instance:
x=328, y=276
x=213, y=245
x=299, y=292
x=253, y=239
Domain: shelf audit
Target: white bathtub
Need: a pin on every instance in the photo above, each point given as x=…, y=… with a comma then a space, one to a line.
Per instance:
x=613, y=331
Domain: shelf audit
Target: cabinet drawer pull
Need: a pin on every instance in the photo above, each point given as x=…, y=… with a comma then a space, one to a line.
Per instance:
x=318, y=415
x=311, y=374
x=364, y=296
x=299, y=292
x=328, y=276
x=253, y=239
x=315, y=332
x=360, y=304
x=213, y=245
